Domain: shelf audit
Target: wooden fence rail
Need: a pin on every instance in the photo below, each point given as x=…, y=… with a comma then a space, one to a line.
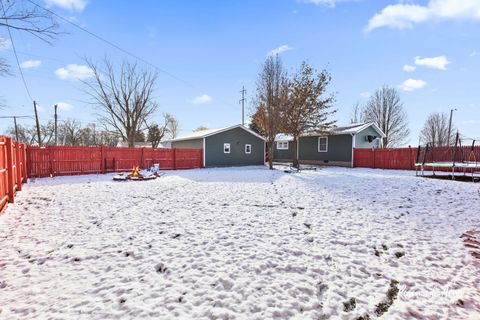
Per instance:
x=63, y=160
x=13, y=171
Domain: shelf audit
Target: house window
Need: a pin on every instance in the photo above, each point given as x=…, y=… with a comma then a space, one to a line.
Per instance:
x=282, y=145
x=323, y=144
x=226, y=148
x=248, y=148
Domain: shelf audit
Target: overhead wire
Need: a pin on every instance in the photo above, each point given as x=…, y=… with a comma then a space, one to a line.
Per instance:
x=15, y=52
x=112, y=44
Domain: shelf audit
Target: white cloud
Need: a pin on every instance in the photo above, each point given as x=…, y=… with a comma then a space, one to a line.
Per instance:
x=64, y=106
x=5, y=44
x=71, y=5
x=409, y=68
x=406, y=15
x=203, y=99
x=474, y=54
x=30, y=64
x=74, y=72
x=439, y=63
x=365, y=95
x=412, y=84
x=279, y=50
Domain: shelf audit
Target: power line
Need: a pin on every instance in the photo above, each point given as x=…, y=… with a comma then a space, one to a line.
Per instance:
x=15, y=52
x=111, y=44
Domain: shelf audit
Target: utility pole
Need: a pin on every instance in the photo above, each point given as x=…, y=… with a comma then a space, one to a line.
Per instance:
x=56, y=119
x=16, y=128
x=450, y=127
x=15, y=123
x=37, y=124
x=242, y=101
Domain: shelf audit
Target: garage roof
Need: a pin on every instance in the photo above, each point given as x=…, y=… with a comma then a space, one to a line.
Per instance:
x=210, y=132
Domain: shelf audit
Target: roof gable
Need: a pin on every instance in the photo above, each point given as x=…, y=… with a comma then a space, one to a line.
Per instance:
x=210, y=132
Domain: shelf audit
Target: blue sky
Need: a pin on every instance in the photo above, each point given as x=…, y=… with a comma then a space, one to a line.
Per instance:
x=429, y=50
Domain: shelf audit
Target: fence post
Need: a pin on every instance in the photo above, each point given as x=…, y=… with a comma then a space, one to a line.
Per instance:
x=50, y=161
x=10, y=177
x=373, y=156
x=24, y=163
x=174, y=159
x=102, y=161
x=18, y=165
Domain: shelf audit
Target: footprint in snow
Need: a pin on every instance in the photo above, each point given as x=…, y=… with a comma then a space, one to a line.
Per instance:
x=161, y=268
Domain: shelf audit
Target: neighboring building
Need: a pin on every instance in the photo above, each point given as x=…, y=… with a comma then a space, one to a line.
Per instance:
x=124, y=144
x=336, y=148
x=231, y=146
x=162, y=144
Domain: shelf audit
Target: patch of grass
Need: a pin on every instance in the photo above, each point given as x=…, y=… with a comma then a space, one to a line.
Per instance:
x=350, y=305
x=392, y=295
x=384, y=247
x=365, y=317
x=399, y=254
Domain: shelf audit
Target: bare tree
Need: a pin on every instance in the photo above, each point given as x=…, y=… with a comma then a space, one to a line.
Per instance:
x=71, y=133
x=358, y=113
x=157, y=132
x=386, y=110
x=125, y=97
x=435, y=130
x=308, y=109
x=270, y=101
x=23, y=134
x=26, y=16
x=173, y=127
x=200, y=128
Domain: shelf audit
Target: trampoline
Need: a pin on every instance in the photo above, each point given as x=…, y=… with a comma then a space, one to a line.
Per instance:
x=462, y=158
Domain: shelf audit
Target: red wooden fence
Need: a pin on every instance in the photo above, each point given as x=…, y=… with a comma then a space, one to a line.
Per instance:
x=62, y=160
x=398, y=158
x=405, y=158
x=13, y=171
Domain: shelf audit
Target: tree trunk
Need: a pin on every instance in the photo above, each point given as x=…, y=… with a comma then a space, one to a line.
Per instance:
x=294, y=150
x=131, y=139
x=270, y=155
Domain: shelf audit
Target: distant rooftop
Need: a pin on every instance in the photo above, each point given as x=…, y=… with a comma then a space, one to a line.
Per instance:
x=210, y=132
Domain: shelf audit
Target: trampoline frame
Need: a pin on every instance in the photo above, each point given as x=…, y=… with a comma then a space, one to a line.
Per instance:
x=471, y=164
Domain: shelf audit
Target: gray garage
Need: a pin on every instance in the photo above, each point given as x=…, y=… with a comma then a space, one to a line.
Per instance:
x=335, y=148
x=225, y=147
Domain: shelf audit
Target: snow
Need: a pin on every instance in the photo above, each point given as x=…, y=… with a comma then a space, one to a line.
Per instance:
x=240, y=243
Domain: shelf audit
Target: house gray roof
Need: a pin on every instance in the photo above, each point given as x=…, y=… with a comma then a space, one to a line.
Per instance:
x=210, y=132
x=353, y=128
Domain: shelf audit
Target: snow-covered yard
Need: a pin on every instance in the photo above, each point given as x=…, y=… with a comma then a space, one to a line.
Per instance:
x=244, y=243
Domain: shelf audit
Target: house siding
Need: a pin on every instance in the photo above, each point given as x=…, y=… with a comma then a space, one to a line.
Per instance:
x=283, y=155
x=361, y=142
x=339, y=150
x=188, y=144
x=237, y=137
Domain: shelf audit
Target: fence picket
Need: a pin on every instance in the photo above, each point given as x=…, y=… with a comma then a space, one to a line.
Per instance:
x=404, y=158
x=64, y=160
